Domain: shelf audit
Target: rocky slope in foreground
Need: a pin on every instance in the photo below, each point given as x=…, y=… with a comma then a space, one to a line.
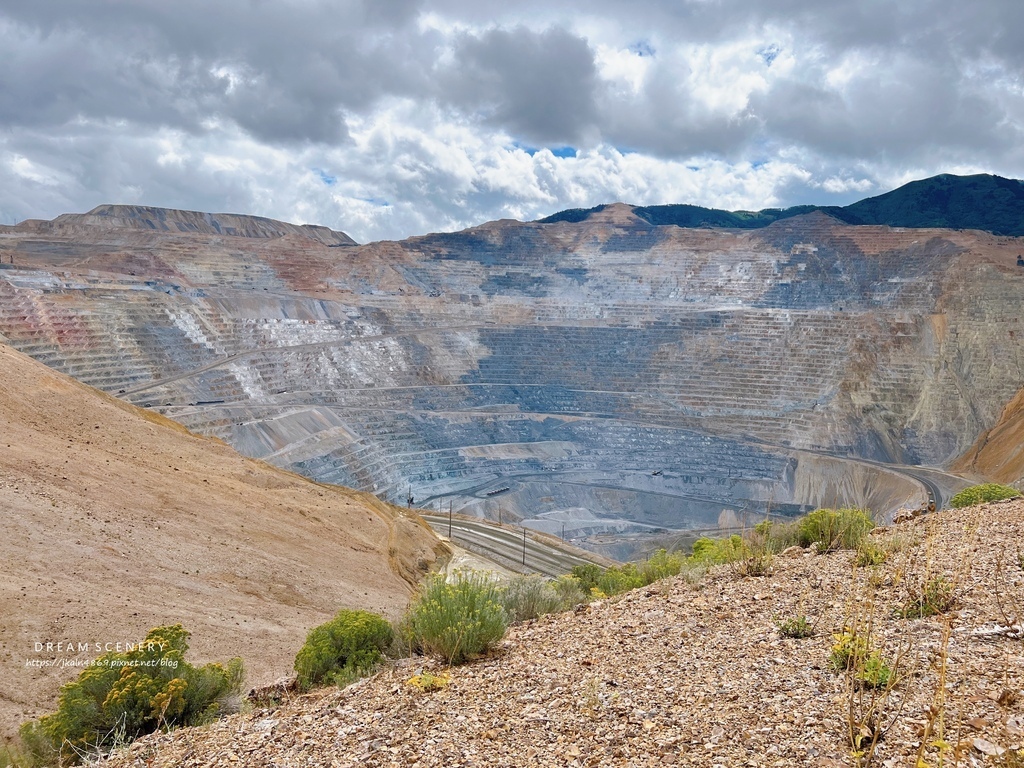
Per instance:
x=679, y=674
x=116, y=520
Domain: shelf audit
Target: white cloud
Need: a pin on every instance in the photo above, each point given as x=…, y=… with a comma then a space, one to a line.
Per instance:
x=32, y=172
x=622, y=67
x=838, y=186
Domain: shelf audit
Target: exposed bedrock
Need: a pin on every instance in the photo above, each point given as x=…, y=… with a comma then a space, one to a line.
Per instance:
x=609, y=375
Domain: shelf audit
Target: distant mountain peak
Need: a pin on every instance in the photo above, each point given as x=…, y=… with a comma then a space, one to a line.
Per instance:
x=981, y=201
x=145, y=217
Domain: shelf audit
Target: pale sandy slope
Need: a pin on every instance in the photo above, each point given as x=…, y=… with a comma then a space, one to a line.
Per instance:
x=114, y=520
x=998, y=453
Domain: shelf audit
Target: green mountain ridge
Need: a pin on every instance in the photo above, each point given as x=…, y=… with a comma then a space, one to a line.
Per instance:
x=982, y=201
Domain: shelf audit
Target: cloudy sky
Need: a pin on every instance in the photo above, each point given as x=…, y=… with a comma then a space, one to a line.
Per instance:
x=387, y=118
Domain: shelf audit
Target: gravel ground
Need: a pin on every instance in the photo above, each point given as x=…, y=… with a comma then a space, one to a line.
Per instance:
x=684, y=674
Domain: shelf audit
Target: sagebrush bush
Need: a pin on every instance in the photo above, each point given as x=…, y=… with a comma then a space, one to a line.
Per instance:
x=342, y=649
x=570, y=592
x=122, y=696
x=21, y=756
x=832, y=529
x=527, y=597
x=594, y=580
x=621, y=578
x=757, y=562
x=459, y=617
x=778, y=535
x=979, y=494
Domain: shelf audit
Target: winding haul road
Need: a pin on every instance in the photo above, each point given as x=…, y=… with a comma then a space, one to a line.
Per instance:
x=505, y=546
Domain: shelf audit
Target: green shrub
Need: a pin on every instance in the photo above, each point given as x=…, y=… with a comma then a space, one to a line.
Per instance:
x=797, y=627
x=527, y=597
x=869, y=553
x=34, y=750
x=848, y=650
x=718, y=551
x=936, y=596
x=122, y=696
x=593, y=579
x=428, y=682
x=757, y=562
x=343, y=649
x=621, y=578
x=777, y=535
x=875, y=672
x=458, y=618
x=832, y=529
x=850, y=653
x=587, y=576
x=660, y=565
x=570, y=592
x=979, y=494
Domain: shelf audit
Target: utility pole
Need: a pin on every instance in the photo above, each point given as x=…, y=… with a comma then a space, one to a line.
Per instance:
x=449, y=521
x=499, y=515
x=563, y=531
x=524, y=546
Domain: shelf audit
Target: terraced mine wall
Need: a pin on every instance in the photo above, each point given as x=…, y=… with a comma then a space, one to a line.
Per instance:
x=609, y=379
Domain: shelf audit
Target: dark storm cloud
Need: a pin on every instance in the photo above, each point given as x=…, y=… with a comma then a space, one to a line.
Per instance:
x=284, y=72
x=539, y=86
x=907, y=110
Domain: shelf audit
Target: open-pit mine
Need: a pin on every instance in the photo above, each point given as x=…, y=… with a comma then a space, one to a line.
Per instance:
x=610, y=380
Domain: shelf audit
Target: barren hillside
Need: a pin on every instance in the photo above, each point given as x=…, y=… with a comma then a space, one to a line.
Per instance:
x=116, y=520
x=998, y=453
x=683, y=674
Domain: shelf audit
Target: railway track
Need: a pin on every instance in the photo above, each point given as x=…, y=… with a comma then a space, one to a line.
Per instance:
x=523, y=551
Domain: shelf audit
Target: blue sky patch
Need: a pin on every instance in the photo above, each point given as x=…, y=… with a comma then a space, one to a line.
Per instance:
x=556, y=151
x=325, y=177
x=642, y=48
x=769, y=53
